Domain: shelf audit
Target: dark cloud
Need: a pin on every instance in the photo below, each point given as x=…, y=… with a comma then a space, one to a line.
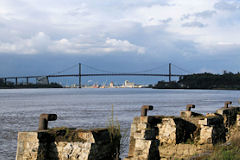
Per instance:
x=205, y=14
x=165, y=21
x=121, y=23
x=225, y=5
x=194, y=24
x=79, y=11
x=186, y=16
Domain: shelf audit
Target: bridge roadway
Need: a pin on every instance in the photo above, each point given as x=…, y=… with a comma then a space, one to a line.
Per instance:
x=96, y=74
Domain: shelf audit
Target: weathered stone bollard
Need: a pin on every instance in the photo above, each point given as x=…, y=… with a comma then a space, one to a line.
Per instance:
x=186, y=137
x=227, y=103
x=43, y=120
x=212, y=129
x=143, y=143
x=188, y=113
x=145, y=108
x=229, y=114
x=189, y=107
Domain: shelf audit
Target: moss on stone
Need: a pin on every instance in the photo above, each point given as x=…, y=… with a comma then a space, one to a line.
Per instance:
x=64, y=134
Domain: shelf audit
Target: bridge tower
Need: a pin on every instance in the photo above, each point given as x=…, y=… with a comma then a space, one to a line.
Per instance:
x=80, y=80
x=170, y=74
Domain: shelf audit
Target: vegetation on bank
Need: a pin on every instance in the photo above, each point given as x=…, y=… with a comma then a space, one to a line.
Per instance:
x=114, y=130
x=227, y=151
x=227, y=80
x=29, y=85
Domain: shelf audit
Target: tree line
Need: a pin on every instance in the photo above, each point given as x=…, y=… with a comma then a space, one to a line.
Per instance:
x=227, y=80
x=10, y=84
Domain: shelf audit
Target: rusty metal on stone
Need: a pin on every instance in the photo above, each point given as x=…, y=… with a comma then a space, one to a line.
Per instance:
x=43, y=120
x=189, y=107
x=227, y=103
x=145, y=108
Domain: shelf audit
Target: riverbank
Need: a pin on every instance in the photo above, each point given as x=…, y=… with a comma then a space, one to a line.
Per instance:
x=227, y=151
x=226, y=81
x=91, y=108
x=23, y=86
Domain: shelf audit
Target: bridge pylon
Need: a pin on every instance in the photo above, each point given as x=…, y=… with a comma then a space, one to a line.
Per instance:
x=170, y=71
x=80, y=75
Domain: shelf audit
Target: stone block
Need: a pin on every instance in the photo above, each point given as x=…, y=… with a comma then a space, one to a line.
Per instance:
x=146, y=149
x=142, y=126
x=212, y=134
x=142, y=144
x=86, y=136
x=185, y=113
x=91, y=144
x=131, y=146
x=129, y=158
x=175, y=130
x=133, y=127
x=28, y=145
x=167, y=131
x=153, y=120
x=213, y=120
x=188, y=114
x=150, y=134
x=138, y=135
x=238, y=120
x=145, y=119
x=229, y=115
x=206, y=135
x=136, y=120
x=147, y=134
x=228, y=111
x=181, y=151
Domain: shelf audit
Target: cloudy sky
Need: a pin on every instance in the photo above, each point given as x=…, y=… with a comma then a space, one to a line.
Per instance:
x=43, y=37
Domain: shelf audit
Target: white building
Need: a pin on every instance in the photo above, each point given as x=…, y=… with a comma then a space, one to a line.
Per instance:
x=128, y=84
x=111, y=85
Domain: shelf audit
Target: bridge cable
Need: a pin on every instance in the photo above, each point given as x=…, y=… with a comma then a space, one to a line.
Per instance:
x=143, y=71
x=66, y=69
x=96, y=69
x=181, y=69
x=149, y=70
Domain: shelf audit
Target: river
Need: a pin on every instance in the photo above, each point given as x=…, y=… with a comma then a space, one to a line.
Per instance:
x=90, y=108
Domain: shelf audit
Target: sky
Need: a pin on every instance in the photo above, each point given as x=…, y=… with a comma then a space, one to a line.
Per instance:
x=40, y=37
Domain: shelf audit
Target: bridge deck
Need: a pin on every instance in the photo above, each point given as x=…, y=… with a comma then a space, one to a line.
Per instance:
x=100, y=74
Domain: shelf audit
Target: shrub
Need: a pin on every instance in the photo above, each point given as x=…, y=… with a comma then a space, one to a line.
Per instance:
x=115, y=134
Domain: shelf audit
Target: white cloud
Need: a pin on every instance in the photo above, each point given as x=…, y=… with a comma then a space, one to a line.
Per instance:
x=33, y=45
x=42, y=43
x=77, y=46
x=194, y=24
x=208, y=70
x=230, y=5
x=77, y=27
x=124, y=46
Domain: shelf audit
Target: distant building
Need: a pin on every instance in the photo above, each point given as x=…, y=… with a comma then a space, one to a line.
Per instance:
x=128, y=84
x=42, y=80
x=111, y=85
x=74, y=86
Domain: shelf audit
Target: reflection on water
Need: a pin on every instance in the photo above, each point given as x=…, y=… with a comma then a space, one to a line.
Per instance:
x=88, y=108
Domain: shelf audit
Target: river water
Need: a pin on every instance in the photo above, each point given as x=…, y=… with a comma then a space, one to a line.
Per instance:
x=90, y=108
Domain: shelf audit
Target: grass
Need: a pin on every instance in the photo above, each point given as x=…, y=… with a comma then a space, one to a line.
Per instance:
x=229, y=151
x=113, y=127
x=225, y=153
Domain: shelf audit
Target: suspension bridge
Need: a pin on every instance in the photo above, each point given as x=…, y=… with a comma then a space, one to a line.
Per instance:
x=104, y=73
